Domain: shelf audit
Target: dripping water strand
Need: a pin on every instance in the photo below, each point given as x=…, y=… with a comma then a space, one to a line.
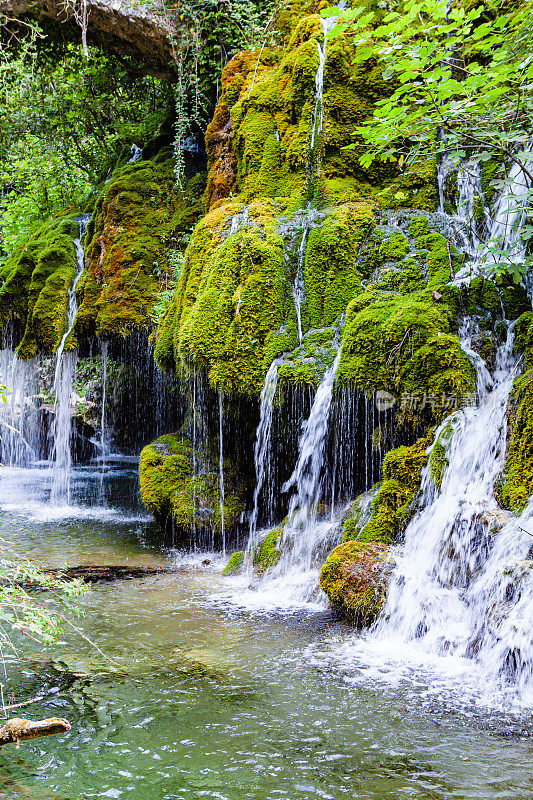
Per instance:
x=64, y=376
x=262, y=446
x=221, y=466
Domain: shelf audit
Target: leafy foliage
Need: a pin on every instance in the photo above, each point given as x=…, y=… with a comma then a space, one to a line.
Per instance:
x=64, y=122
x=41, y=617
x=461, y=79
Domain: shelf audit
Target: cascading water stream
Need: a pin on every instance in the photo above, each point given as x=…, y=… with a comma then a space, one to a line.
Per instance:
x=262, y=446
x=19, y=421
x=136, y=153
x=327, y=23
x=501, y=238
x=298, y=289
x=63, y=382
x=104, y=438
x=221, y=467
x=462, y=587
x=303, y=535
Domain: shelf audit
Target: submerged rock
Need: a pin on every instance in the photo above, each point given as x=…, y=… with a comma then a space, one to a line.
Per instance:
x=356, y=577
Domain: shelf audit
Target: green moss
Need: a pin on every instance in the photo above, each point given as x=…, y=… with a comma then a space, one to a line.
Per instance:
x=331, y=276
x=418, y=226
x=235, y=563
x=395, y=248
x=358, y=515
x=401, y=344
x=308, y=363
x=405, y=277
x=34, y=285
x=516, y=485
x=355, y=579
x=170, y=489
x=438, y=457
x=442, y=258
x=268, y=552
x=139, y=221
x=524, y=337
x=393, y=507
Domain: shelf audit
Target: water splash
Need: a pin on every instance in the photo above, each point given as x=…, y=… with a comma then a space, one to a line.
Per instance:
x=462, y=586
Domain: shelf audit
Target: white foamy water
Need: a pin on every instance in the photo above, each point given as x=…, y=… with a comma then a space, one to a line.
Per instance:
x=458, y=617
x=292, y=583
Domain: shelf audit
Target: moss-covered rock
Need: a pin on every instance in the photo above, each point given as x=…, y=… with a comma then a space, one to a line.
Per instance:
x=34, y=285
x=516, y=486
x=358, y=514
x=172, y=490
x=401, y=344
x=355, y=578
x=235, y=563
x=260, y=140
x=394, y=504
x=139, y=221
x=268, y=551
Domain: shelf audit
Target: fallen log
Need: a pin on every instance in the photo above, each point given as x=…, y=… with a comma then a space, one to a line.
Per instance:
x=92, y=573
x=17, y=730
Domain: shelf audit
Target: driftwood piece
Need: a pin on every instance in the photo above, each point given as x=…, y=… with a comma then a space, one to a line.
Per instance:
x=17, y=730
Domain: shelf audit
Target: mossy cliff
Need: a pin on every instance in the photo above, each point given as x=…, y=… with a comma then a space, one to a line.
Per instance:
x=259, y=142
x=176, y=493
x=139, y=222
x=34, y=285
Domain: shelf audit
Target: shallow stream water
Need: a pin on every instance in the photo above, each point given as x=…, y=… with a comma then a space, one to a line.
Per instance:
x=198, y=698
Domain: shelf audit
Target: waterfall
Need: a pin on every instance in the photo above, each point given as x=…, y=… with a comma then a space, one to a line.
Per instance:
x=136, y=153
x=509, y=218
x=64, y=376
x=293, y=581
x=503, y=224
x=462, y=586
x=19, y=415
x=221, y=466
x=262, y=444
x=302, y=535
x=298, y=289
x=328, y=23
x=104, y=442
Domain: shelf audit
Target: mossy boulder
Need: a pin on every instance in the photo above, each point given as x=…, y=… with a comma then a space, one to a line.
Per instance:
x=401, y=344
x=235, y=563
x=358, y=514
x=393, y=506
x=268, y=551
x=173, y=491
x=355, y=579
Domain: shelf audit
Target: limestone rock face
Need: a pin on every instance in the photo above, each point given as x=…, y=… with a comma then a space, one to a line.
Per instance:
x=124, y=26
